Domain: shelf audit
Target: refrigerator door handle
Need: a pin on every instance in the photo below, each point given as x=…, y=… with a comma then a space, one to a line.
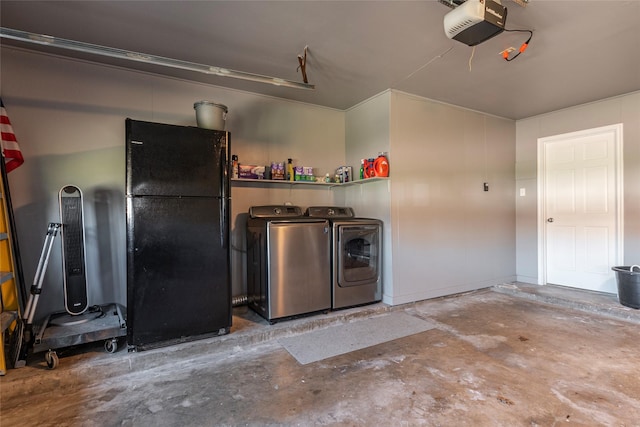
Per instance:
x=224, y=171
x=223, y=222
x=224, y=182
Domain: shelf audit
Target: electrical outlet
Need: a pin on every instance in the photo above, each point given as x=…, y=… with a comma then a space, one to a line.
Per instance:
x=507, y=50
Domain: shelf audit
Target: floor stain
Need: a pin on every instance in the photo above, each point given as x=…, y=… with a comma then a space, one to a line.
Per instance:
x=468, y=371
x=505, y=400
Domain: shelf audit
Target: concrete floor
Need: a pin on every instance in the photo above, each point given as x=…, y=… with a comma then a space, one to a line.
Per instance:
x=513, y=355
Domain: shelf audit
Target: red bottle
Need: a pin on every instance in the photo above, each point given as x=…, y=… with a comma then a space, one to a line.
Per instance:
x=381, y=166
x=369, y=171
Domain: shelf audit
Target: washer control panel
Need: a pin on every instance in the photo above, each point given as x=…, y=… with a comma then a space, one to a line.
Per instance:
x=330, y=212
x=275, y=211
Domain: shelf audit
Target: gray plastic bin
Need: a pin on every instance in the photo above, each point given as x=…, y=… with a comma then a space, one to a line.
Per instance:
x=628, y=279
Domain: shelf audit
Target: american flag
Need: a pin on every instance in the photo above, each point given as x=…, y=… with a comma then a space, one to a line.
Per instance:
x=8, y=142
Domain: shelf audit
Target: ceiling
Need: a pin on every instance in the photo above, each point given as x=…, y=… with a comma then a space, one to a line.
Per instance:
x=581, y=50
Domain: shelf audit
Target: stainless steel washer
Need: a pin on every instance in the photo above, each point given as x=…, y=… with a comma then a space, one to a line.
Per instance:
x=288, y=262
x=356, y=260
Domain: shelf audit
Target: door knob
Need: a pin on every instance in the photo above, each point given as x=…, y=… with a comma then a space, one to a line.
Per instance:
x=549, y=219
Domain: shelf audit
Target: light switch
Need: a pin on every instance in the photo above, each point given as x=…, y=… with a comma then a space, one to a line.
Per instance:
x=523, y=192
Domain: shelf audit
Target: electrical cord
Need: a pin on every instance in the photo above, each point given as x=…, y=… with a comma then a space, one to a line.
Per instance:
x=524, y=46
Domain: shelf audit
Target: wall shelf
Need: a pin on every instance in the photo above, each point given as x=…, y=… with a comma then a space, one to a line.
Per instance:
x=268, y=182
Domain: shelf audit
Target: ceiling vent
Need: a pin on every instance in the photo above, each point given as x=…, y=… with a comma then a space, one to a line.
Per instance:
x=475, y=21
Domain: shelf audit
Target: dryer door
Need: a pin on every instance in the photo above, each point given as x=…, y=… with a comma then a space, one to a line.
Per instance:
x=358, y=259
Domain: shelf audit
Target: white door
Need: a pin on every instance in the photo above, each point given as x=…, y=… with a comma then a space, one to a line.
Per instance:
x=581, y=208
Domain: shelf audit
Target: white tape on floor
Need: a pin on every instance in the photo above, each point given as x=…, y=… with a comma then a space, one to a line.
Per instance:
x=341, y=339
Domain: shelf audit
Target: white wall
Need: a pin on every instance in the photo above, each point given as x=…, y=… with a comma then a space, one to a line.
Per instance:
x=367, y=134
x=449, y=234
x=69, y=118
x=445, y=234
x=623, y=109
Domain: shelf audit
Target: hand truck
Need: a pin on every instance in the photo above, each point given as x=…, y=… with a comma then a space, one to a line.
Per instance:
x=23, y=334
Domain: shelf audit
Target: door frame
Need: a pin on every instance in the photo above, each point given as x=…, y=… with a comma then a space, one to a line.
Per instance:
x=617, y=130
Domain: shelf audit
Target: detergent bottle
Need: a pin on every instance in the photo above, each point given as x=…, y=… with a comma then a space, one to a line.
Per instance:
x=290, y=172
x=381, y=165
x=369, y=171
x=234, y=167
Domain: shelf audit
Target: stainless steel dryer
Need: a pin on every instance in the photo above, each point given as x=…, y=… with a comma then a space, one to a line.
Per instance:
x=288, y=262
x=356, y=260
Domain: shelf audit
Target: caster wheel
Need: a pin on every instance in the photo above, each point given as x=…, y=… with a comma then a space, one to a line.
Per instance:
x=52, y=359
x=111, y=346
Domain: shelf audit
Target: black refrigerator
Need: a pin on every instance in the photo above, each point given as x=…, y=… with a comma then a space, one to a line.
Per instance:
x=177, y=210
